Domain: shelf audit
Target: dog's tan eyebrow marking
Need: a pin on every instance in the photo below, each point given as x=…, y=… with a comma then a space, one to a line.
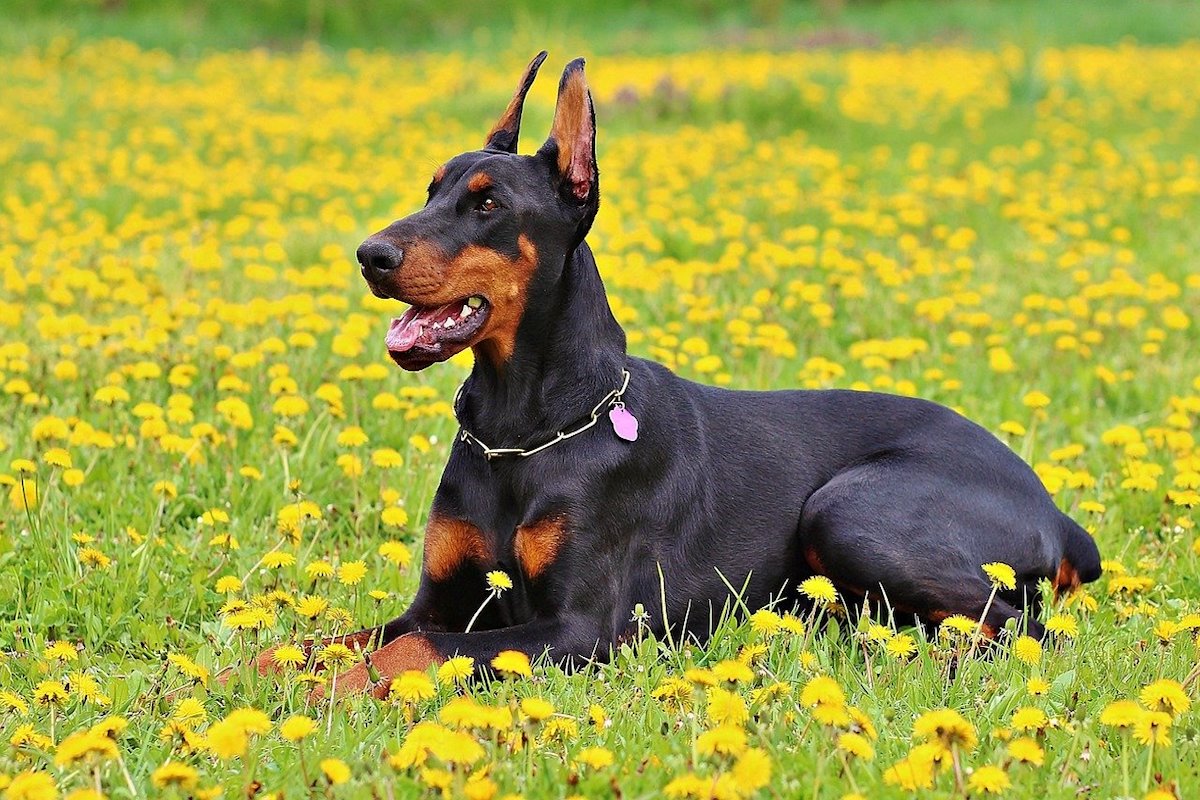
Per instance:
x=479, y=182
x=441, y=173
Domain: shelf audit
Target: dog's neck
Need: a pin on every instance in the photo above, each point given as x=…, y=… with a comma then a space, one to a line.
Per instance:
x=569, y=353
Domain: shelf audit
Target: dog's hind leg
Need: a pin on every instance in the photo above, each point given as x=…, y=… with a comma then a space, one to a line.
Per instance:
x=868, y=533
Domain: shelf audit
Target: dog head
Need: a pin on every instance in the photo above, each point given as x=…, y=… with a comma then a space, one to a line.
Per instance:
x=492, y=238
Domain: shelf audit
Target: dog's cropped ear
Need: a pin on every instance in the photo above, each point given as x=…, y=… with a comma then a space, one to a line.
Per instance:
x=504, y=134
x=572, y=141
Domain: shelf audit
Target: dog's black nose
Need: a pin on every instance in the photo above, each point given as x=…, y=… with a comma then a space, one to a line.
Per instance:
x=379, y=255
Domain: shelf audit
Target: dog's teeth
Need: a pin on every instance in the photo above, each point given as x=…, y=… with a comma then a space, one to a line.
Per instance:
x=466, y=311
x=449, y=323
x=475, y=301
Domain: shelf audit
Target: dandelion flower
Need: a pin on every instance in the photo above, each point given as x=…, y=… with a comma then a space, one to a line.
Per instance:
x=288, y=655
x=819, y=588
x=766, y=622
x=498, y=581
x=352, y=572
x=1153, y=728
x=456, y=669
x=857, y=745
x=335, y=770
x=727, y=740
x=512, y=663
x=1027, y=650
x=1001, y=575
x=914, y=771
x=536, y=709
x=31, y=786
x=594, y=757
x=947, y=728
x=1027, y=751
x=296, y=727
x=1165, y=695
x=822, y=690
x=50, y=693
x=84, y=746
x=412, y=686
x=1063, y=625
x=396, y=552
x=1121, y=714
x=901, y=646
x=175, y=774
x=227, y=739
x=988, y=779
x=1029, y=719
x=337, y=655
x=733, y=672
x=311, y=606
x=726, y=708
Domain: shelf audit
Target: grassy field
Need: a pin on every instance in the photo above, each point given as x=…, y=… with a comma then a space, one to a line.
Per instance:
x=206, y=449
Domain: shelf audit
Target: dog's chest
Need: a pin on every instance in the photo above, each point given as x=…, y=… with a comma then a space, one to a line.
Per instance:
x=479, y=531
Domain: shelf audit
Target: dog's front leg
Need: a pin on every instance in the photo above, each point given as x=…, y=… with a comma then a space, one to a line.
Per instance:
x=568, y=641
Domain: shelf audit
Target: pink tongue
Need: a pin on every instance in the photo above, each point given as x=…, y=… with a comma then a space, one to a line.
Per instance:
x=403, y=333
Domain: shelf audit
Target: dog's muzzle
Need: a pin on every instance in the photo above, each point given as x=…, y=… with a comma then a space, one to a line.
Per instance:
x=378, y=259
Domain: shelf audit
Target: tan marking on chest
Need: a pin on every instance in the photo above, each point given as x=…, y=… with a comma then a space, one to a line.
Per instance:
x=537, y=544
x=449, y=543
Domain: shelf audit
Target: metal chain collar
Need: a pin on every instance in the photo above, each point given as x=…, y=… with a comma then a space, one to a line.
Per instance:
x=613, y=398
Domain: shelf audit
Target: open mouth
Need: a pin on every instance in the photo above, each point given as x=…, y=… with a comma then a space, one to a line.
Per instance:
x=426, y=335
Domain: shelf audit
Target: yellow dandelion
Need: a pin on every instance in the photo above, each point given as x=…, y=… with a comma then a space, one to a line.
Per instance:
x=857, y=745
x=594, y=757
x=1001, y=575
x=819, y=588
x=729, y=740
x=456, y=670
x=498, y=581
x=175, y=774
x=412, y=686
x=512, y=663
x=536, y=709
x=1153, y=728
x=988, y=779
x=352, y=572
x=1165, y=695
x=1027, y=751
x=296, y=727
x=1027, y=650
x=1029, y=719
x=946, y=728
x=335, y=770
x=725, y=707
x=1063, y=625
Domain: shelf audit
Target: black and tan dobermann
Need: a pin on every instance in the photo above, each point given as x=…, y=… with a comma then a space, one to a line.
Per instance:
x=586, y=473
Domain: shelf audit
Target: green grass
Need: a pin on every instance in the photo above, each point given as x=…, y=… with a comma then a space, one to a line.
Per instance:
x=600, y=27
x=181, y=224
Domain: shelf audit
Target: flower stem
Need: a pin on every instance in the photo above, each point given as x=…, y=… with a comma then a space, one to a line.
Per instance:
x=479, y=611
x=1149, y=768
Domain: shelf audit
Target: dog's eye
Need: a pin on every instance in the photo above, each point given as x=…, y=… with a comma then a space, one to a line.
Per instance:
x=487, y=204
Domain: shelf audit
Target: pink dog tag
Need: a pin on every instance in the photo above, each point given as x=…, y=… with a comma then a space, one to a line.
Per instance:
x=624, y=423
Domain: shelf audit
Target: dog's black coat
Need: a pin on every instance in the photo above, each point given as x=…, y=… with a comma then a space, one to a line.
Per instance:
x=897, y=500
